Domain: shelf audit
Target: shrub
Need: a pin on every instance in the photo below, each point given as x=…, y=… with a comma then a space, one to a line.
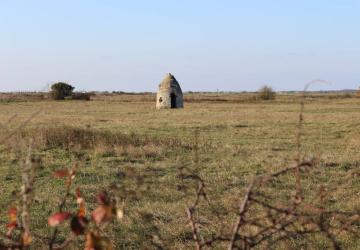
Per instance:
x=80, y=96
x=349, y=95
x=266, y=93
x=61, y=90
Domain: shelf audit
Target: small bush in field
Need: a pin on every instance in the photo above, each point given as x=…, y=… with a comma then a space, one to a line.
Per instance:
x=61, y=90
x=266, y=93
x=350, y=95
x=80, y=96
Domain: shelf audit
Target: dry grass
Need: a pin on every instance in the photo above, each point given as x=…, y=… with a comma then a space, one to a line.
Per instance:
x=68, y=137
x=121, y=141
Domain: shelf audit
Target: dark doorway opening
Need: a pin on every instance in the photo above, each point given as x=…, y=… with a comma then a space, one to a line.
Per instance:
x=173, y=101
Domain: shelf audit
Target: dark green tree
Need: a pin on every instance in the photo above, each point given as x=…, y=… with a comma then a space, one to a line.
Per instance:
x=61, y=90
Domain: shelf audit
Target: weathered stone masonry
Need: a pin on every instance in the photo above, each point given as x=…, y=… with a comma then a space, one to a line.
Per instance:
x=169, y=94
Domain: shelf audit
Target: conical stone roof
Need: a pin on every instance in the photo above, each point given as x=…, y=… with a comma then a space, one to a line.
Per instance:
x=169, y=83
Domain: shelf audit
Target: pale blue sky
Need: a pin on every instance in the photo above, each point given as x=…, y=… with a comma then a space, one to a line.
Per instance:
x=207, y=44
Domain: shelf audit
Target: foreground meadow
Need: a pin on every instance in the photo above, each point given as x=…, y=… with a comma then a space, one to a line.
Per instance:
x=121, y=144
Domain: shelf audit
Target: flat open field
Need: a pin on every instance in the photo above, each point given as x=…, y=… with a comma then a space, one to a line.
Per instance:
x=120, y=143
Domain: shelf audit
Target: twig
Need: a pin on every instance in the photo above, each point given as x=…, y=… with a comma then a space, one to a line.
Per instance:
x=242, y=210
x=27, y=188
x=62, y=205
x=194, y=229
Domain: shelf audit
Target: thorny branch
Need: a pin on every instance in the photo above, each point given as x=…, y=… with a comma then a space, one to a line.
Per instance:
x=242, y=210
x=279, y=222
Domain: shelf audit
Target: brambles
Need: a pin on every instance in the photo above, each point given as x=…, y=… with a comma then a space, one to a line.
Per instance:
x=266, y=93
x=61, y=90
x=263, y=221
x=80, y=223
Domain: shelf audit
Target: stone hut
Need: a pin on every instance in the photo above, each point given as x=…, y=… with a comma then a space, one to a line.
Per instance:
x=169, y=94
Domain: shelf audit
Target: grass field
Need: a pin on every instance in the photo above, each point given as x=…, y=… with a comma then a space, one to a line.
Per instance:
x=121, y=143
